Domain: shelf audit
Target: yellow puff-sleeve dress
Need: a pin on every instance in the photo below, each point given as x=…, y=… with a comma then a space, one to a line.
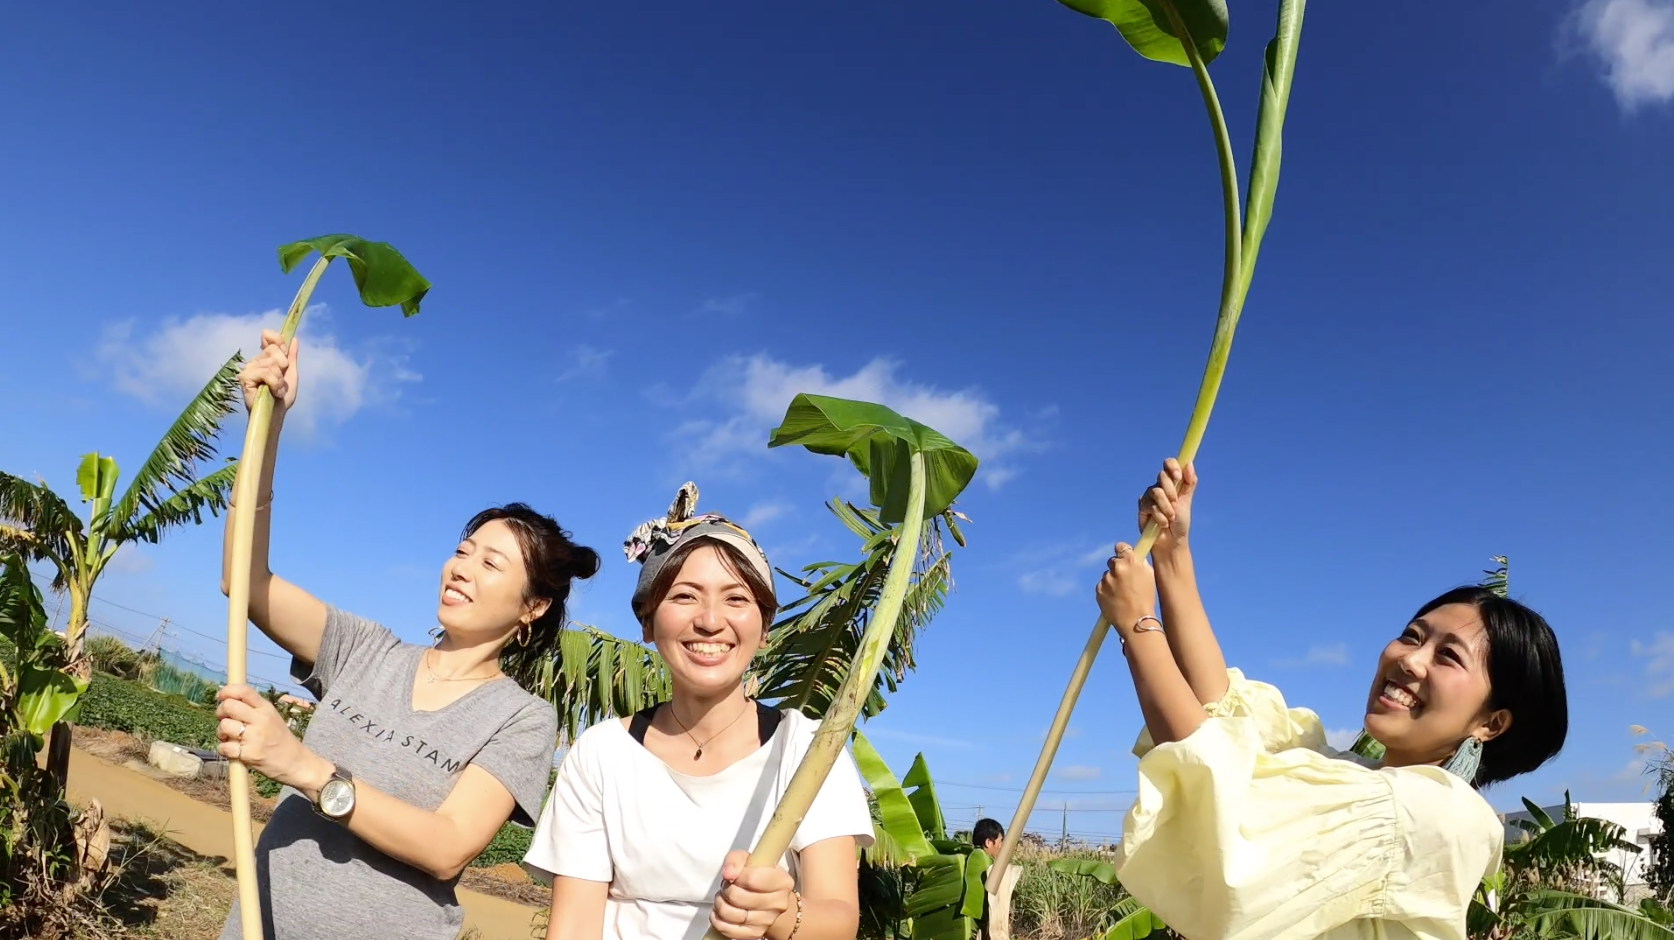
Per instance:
x=1253, y=829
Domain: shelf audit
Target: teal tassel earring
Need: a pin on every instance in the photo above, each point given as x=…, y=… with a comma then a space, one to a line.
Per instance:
x=1465, y=761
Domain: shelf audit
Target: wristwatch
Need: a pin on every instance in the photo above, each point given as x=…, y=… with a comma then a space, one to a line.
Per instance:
x=337, y=798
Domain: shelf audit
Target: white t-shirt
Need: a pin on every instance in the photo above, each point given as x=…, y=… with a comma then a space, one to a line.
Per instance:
x=618, y=814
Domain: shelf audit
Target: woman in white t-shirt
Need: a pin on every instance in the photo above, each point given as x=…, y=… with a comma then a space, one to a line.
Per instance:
x=648, y=828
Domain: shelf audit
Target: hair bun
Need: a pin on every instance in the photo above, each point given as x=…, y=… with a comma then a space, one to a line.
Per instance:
x=583, y=563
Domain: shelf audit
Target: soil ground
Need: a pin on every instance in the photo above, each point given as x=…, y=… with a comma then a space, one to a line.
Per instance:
x=191, y=871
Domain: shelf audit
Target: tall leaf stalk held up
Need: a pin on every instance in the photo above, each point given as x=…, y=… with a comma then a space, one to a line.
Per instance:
x=384, y=279
x=1190, y=33
x=914, y=472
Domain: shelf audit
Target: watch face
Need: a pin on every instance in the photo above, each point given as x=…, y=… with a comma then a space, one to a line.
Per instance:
x=337, y=797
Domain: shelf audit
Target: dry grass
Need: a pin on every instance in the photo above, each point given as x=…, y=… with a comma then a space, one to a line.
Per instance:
x=159, y=889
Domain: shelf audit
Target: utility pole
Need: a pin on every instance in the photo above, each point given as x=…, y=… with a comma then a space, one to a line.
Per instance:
x=154, y=644
x=1063, y=840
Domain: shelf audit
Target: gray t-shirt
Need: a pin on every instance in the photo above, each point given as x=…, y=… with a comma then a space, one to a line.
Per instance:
x=318, y=880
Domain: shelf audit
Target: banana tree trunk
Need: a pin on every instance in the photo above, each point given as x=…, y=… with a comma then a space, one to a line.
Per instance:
x=58, y=743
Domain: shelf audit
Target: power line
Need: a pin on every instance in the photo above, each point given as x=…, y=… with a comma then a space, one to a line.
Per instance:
x=985, y=786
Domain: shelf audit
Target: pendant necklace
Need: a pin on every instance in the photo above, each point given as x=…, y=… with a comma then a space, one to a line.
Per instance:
x=431, y=678
x=698, y=755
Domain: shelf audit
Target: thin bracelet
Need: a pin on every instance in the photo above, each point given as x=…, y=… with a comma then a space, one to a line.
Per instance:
x=1140, y=627
x=797, y=925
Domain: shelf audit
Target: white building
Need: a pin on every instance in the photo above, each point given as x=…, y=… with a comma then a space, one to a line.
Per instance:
x=1638, y=820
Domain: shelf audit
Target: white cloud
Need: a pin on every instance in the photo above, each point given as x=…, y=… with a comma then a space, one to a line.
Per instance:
x=1634, y=42
x=1342, y=738
x=755, y=390
x=1061, y=571
x=762, y=513
x=1629, y=772
x=732, y=305
x=584, y=361
x=1659, y=664
x=165, y=366
x=1077, y=772
x=1333, y=654
x=129, y=560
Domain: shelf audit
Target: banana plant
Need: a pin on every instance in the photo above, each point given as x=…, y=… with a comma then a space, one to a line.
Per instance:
x=1545, y=887
x=811, y=646
x=1190, y=33
x=384, y=279
x=931, y=886
x=36, y=693
x=165, y=493
x=914, y=473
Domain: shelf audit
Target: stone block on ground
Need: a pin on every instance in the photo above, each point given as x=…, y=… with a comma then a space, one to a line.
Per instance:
x=174, y=760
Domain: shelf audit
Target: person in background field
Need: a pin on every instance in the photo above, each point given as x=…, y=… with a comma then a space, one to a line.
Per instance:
x=986, y=835
x=1247, y=825
x=416, y=755
x=647, y=831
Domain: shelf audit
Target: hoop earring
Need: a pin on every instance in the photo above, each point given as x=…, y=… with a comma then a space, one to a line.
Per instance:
x=1466, y=760
x=437, y=632
x=523, y=635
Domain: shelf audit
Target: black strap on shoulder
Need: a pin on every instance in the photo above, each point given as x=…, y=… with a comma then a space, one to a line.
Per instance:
x=767, y=722
x=640, y=722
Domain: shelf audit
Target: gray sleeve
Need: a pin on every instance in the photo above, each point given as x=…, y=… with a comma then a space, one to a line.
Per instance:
x=349, y=643
x=519, y=755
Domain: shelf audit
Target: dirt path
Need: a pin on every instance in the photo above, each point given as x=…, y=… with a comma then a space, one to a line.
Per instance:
x=208, y=831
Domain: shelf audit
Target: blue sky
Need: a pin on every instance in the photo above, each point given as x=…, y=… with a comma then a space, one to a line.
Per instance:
x=646, y=232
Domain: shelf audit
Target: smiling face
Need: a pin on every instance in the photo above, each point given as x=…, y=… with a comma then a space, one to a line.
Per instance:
x=483, y=586
x=707, y=626
x=1431, y=690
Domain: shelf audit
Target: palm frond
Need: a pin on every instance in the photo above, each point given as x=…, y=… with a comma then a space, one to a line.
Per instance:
x=38, y=525
x=172, y=467
x=589, y=675
x=814, y=642
x=178, y=507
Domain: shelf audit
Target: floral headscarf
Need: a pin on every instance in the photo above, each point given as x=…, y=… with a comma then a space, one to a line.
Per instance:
x=652, y=542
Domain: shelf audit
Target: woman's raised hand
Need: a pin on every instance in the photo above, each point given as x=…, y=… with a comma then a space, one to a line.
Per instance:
x=1127, y=592
x=1169, y=505
x=274, y=367
x=751, y=899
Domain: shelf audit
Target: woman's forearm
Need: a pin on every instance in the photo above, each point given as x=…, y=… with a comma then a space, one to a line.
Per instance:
x=1191, y=641
x=822, y=919
x=428, y=841
x=1166, y=700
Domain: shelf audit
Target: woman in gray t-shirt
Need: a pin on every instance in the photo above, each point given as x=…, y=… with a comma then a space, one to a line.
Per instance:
x=416, y=755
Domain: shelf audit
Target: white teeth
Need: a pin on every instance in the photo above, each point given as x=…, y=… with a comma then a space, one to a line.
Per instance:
x=1399, y=695
x=450, y=592
x=709, y=649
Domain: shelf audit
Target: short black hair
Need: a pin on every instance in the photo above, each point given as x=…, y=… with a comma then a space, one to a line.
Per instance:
x=984, y=830
x=1525, y=677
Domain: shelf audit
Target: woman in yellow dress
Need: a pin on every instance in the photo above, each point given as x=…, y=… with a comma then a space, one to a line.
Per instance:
x=1248, y=826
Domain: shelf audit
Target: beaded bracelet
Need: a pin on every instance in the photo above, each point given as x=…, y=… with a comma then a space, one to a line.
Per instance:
x=797, y=924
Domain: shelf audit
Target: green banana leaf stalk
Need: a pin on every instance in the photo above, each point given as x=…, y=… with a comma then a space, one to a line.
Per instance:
x=1190, y=33
x=384, y=279
x=914, y=473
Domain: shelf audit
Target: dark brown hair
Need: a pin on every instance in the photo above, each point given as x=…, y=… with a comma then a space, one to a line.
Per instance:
x=1525, y=677
x=551, y=563
x=645, y=602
